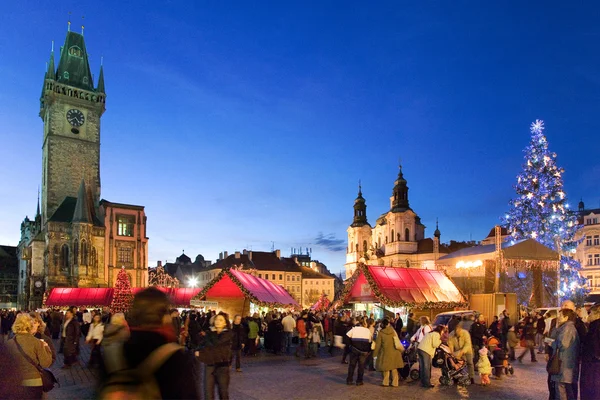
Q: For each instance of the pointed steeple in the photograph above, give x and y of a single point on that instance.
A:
(360, 209)
(437, 232)
(100, 87)
(51, 70)
(82, 210)
(37, 213)
(399, 199)
(73, 66)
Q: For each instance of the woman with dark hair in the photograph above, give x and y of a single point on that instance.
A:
(214, 351)
(151, 330)
(426, 350)
(566, 348)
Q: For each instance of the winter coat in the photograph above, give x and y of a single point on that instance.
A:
(478, 331)
(176, 378)
(388, 358)
(590, 363)
(55, 322)
(430, 342)
(215, 348)
(410, 327)
(73, 333)
(252, 329)
(512, 339)
(301, 328)
(113, 338)
(484, 366)
(34, 348)
(460, 343)
(48, 340)
(541, 326)
(567, 345)
(238, 336)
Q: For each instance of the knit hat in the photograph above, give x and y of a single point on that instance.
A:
(483, 351)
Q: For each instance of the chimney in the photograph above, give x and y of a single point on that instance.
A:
(225, 254)
(159, 263)
(250, 255)
(278, 253)
(237, 254)
(220, 256)
(245, 252)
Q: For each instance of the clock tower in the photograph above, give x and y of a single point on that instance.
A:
(71, 109)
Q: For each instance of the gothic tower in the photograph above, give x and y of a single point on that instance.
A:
(359, 235)
(71, 108)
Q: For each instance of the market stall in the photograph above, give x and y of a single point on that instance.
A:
(89, 297)
(388, 290)
(237, 292)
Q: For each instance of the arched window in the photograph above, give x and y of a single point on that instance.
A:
(386, 240)
(398, 237)
(365, 246)
(393, 235)
(64, 259)
(407, 263)
(94, 261)
(76, 253)
(357, 247)
(351, 246)
(84, 253)
(379, 242)
(407, 235)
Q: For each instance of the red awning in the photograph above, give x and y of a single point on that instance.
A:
(404, 285)
(182, 296)
(229, 283)
(80, 297)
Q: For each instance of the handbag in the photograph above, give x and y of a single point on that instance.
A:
(554, 364)
(48, 378)
(397, 343)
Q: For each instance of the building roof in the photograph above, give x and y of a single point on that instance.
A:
(528, 249)
(595, 211)
(80, 297)
(308, 273)
(121, 205)
(82, 211)
(425, 246)
(67, 210)
(73, 66)
(413, 287)
(233, 283)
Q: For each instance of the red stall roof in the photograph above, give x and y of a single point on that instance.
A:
(80, 297)
(235, 283)
(414, 287)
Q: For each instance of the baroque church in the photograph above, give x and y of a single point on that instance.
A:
(76, 239)
(398, 238)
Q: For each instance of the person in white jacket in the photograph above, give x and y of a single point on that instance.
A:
(424, 328)
(94, 337)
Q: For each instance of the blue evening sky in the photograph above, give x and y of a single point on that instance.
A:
(239, 124)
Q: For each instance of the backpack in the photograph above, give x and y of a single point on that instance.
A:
(138, 383)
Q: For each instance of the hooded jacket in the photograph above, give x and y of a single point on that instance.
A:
(388, 358)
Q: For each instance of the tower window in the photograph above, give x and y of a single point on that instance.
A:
(407, 235)
(392, 235)
(66, 75)
(124, 255)
(365, 248)
(85, 80)
(125, 225)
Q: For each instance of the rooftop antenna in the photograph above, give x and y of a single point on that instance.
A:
(69, 22)
(272, 246)
(82, 27)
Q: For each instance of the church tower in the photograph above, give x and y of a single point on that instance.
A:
(70, 108)
(359, 235)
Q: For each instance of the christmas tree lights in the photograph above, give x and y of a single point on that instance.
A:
(540, 210)
(122, 297)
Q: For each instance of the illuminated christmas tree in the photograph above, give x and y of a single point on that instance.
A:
(540, 211)
(122, 296)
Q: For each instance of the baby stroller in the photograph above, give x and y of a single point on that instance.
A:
(411, 361)
(453, 370)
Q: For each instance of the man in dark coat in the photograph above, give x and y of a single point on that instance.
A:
(151, 327)
(398, 325)
(70, 339)
(504, 327)
(55, 321)
(478, 335)
(411, 325)
(453, 322)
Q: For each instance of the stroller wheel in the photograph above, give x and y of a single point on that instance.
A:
(414, 374)
(511, 370)
(466, 382)
(444, 380)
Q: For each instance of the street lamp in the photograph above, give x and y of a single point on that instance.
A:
(192, 282)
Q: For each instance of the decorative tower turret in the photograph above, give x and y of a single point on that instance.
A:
(399, 199)
(359, 235)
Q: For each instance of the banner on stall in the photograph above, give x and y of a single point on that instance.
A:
(206, 304)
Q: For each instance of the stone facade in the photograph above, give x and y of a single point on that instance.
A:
(588, 250)
(72, 238)
(398, 238)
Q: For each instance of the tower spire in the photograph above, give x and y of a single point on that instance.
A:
(399, 199)
(359, 189)
(360, 209)
(37, 213)
(69, 23)
(100, 88)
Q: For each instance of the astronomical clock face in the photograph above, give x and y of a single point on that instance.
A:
(38, 284)
(75, 117)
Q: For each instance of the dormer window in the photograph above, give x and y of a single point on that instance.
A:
(66, 75)
(75, 51)
(85, 80)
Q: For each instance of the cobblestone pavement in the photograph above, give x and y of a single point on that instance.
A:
(274, 377)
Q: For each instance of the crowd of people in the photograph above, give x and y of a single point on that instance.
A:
(193, 350)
